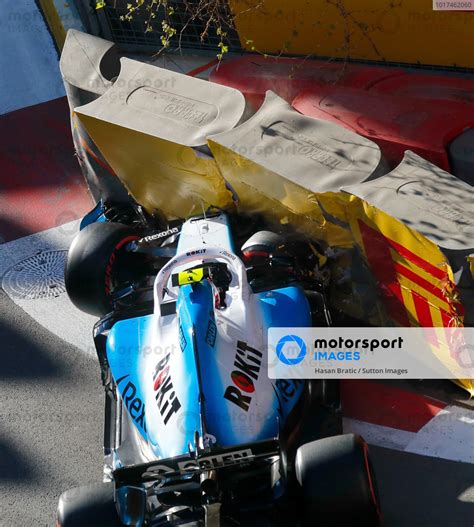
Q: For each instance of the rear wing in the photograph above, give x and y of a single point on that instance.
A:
(202, 461)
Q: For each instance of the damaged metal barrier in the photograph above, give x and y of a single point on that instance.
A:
(152, 125)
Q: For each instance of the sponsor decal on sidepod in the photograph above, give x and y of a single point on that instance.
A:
(247, 365)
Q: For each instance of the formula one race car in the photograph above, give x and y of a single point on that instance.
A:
(195, 431)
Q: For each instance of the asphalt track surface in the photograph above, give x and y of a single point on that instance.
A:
(51, 438)
(50, 420)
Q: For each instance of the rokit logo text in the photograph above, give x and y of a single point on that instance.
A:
(247, 365)
(166, 398)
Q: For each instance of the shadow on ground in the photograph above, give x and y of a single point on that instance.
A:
(14, 466)
(51, 419)
(423, 491)
(23, 356)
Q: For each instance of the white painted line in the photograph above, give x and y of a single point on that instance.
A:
(379, 435)
(28, 59)
(467, 495)
(57, 238)
(57, 314)
(449, 435)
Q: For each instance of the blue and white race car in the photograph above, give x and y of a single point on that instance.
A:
(195, 431)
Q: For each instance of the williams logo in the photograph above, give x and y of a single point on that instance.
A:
(291, 350)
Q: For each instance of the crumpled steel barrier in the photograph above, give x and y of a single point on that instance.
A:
(400, 243)
(151, 126)
(89, 65)
(288, 166)
(181, 148)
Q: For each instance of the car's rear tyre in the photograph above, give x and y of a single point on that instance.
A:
(337, 482)
(96, 262)
(88, 506)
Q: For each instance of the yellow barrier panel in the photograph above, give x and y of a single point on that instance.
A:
(54, 22)
(151, 127)
(409, 32)
(161, 175)
(414, 278)
(383, 272)
(281, 201)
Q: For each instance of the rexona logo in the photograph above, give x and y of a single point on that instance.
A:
(135, 406)
(166, 398)
(291, 350)
(162, 234)
(247, 365)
